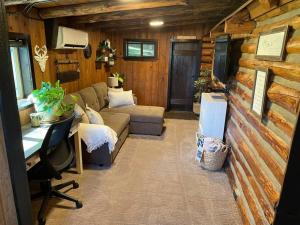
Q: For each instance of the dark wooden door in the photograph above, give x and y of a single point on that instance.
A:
(184, 70)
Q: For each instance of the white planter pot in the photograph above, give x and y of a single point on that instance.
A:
(49, 117)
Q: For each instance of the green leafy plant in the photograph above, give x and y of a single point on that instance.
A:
(50, 99)
(120, 77)
(202, 84)
(100, 58)
(106, 51)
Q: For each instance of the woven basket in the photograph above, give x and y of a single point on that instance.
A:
(213, 160)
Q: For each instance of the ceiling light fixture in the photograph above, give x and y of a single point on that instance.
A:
(156, 23)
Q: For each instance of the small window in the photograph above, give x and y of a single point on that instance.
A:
(17, 72)
(21, 62)
(140, 49)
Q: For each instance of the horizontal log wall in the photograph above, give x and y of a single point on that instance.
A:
(260, 149)
(208, 46)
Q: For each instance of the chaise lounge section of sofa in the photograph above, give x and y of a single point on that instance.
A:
(134, 119)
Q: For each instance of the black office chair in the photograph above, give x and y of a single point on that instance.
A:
(56, 156)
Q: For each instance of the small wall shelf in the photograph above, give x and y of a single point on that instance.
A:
(105, 55)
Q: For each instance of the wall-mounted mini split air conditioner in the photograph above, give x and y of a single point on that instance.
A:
(68, 38)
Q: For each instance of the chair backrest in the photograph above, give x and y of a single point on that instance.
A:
(56, 153)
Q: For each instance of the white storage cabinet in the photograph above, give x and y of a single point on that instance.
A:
(212, 115)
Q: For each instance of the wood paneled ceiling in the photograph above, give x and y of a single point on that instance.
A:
(112, 15)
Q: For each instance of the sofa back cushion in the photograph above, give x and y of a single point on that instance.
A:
(101, 91)
(89, 97)
(68, 99)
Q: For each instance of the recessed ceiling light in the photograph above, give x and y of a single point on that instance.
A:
(156, 23)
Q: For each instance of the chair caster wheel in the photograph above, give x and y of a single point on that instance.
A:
(78, 205)
(42, 222)
(75, 185)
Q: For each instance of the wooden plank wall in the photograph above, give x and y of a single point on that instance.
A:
(35, 28)
(261, 149)
(149, 79)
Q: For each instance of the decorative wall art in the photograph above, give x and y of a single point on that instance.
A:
(271, 44)
(106, 54)
(69, 75)
(87, 51)
(41, 56)
(259, 91)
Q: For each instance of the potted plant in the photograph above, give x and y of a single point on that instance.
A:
(105, 54)
(201, 85)
(49, 100)
(120, 78)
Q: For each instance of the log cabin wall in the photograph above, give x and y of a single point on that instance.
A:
(260, 150)
(208, 46)
(35, 28)
(149, 79)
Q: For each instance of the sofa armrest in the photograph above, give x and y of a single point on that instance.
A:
(134, 99)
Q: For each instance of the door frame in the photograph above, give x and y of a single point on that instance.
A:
(172, 43)
(11, 129)
(287, 211)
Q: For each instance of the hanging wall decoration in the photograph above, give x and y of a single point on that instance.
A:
(87, 51)
(106, 54)
(69, 75)
(41, 56)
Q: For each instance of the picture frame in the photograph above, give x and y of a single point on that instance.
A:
(259, 92)
(271, 44)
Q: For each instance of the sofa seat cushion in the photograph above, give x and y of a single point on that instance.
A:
(117, 121)
(140, 113)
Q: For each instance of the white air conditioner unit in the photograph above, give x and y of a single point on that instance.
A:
(68, 38)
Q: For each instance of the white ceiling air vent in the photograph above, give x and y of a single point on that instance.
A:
(68, 38)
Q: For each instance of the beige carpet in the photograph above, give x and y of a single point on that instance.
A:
(154, 181)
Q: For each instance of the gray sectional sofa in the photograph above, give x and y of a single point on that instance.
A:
(135, 119)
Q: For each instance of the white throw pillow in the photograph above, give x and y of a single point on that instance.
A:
(94, 117)
(115, 89)
(120, 98)
(80, 113)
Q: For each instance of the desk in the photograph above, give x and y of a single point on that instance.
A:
(33, 138)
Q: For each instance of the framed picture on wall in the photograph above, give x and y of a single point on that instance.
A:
(271, 44)
(260, 91)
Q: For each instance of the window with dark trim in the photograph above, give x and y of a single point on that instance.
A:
(19, 45)
(140, 49)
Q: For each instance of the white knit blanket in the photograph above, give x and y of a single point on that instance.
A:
(95, 135)
(213, 144)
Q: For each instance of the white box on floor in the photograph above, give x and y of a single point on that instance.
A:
(212, 115)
